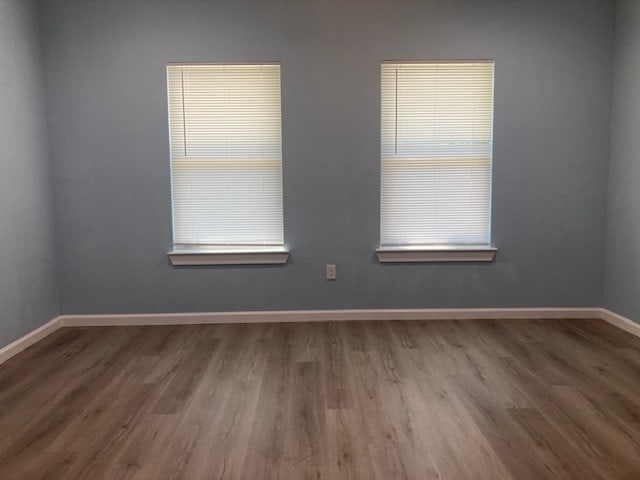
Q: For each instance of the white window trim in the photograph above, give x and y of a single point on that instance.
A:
(444, 253)
(186, 256)
(193, 254)
(439, 252)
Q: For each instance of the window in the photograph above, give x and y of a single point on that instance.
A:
(436, 147)
(226, 163)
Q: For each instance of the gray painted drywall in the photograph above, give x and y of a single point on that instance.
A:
(28, 294)
(106, 94)
(622, 272)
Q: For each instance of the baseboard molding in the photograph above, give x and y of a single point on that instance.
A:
(327, 316)
(314, 316)
(29, 339)
(621, 322)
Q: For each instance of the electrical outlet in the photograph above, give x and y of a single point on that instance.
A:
(331, 272)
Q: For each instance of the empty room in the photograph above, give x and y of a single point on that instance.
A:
(320, 239)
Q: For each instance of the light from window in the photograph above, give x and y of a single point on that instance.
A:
(226, 155)
(436, 148)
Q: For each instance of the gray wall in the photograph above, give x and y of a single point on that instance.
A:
(28, 295)
(622, 274)
(106, 95)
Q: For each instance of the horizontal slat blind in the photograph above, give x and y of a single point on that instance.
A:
(436, 147)
(226, 154)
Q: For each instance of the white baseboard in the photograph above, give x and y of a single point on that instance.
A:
(621, 322)
(327, 316)
(314, 316)
(29, 339)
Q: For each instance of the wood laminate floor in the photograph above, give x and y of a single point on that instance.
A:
(465, 400)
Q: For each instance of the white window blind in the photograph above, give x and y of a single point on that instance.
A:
(226, 155)
(436, 147)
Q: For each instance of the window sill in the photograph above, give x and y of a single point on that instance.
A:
(181, 256)
(471, 253)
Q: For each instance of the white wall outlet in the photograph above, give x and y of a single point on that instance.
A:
(331, 272)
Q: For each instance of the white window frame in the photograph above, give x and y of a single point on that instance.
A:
(443, 252)
(201, 253)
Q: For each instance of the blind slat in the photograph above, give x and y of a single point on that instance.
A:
(436, 148)
(226, 154)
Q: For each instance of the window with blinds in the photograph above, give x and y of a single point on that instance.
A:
(226, 155)
(436, 147)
